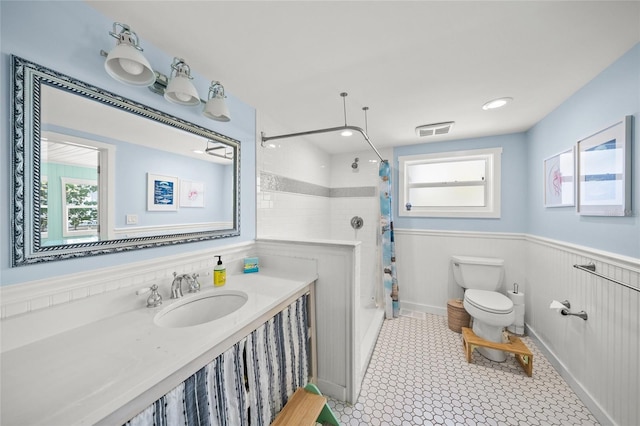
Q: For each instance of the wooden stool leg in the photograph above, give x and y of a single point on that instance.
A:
(526, 361)
(467, 349)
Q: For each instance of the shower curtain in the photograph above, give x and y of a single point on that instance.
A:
(390, 282)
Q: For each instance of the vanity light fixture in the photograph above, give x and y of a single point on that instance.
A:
(216, 108)
(496, 103)
(180, 90)
(125, 62)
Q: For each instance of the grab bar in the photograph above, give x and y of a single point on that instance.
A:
(591, 268)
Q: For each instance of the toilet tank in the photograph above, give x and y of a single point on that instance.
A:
(481, 273)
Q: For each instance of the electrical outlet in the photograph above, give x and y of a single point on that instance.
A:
(132, 219)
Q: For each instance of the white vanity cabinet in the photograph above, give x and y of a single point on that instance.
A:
(111, 370)
(249, 383)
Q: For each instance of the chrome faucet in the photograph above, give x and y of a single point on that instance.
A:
(176, 285)
(194, 285)
(155, 299)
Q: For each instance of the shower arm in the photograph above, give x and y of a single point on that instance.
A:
(327, 130)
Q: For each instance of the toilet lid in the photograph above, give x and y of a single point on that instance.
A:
(490, 301)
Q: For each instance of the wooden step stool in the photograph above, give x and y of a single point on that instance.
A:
(515, 346)
(306, 406)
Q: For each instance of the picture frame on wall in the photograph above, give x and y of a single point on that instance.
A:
(559, 179)
(191, 193)
(162, 193)
(604, 171)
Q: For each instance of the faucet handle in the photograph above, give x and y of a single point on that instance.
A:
(194, 284)
(154, 299)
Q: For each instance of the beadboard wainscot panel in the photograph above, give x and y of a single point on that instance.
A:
(336, 294)
(597, 357)
(423, 264)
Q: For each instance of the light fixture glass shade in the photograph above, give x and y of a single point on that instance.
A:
(128, 65)
(180, 90)
(216, 107)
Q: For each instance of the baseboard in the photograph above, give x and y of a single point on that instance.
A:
(332, 390)
(585, 397)
(419, 307)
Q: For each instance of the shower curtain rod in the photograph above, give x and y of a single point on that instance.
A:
(327, 130)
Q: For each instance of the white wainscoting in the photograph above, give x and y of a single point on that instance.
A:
(423, 262)
(336, 295)
(177, 228)
(598, 357)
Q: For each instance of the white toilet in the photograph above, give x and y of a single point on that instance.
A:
(491, 311)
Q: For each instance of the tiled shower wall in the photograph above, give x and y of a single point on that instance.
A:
(303, 193)
(292, 194)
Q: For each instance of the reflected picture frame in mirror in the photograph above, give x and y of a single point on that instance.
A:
(29, 81)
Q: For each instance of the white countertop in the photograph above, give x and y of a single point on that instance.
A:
(111, 369)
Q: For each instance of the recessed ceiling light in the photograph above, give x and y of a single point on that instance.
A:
(198, 151)
(496, 103)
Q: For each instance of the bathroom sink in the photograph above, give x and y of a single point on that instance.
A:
(200, 309)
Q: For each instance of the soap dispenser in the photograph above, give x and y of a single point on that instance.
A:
(219, 273)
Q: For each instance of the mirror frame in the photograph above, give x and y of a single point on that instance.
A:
(27, 78)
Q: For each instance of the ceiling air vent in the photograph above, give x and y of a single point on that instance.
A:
(434, 129)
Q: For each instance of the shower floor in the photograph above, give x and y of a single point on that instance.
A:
(418, 375)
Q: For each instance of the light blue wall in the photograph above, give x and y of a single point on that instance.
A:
(603, 101)
(514, 179)
(67, 36)
(134, 161)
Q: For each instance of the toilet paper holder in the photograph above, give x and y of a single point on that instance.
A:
(567, 312)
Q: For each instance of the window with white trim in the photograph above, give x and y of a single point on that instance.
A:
(451, 184)
(79, 207)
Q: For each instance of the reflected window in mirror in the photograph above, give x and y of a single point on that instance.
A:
(74, 194)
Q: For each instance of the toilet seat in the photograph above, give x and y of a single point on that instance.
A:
(489, 301)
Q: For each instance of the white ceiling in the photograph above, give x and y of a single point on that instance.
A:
(410, 62)
(61, 108)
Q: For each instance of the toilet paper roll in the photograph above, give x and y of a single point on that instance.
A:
(516, 298)
(557, 306)
(518, 307)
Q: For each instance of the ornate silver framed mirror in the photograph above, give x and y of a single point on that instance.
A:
(96, 173)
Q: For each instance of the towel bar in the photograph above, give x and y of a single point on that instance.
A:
(591, 268)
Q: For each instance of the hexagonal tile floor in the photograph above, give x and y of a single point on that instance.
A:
(418, 375)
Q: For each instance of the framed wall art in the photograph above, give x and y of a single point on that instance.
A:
(559, 179)
(191, 193)
(162, 193)
(604, 171)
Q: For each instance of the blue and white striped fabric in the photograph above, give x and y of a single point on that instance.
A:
(166, 411)
(226, 393)
(215, 396)
(277, 362)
